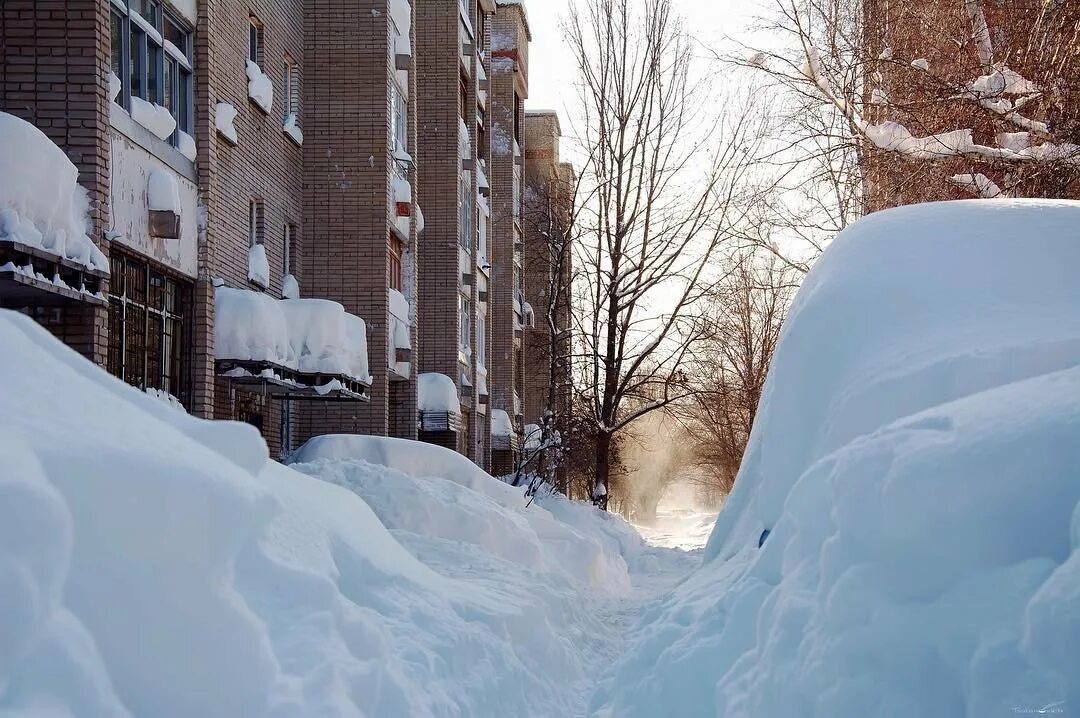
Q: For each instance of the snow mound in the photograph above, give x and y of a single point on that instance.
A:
(41, 202)
(911, 483)
(260, 88)
(574, 536)
(154, 564)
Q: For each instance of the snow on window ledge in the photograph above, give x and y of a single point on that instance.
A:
(186, 146)
(260, 89)
(224, 114)
(258, 266)
(153, 117)
(115, 85)
(292, 130)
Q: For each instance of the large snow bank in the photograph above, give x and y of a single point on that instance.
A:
(154, 564)
(41, 202)
(915, 462)
(308, 335)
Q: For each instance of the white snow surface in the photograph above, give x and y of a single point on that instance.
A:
(915, 461)
(290, 288)
(501, 425)
(41, 203)
(155, 564)
(437, 392)
(163, 192)
(308, 335)
(153, 117)
(292, 129)
(258, 265)
(186, 146)
(224, 114)
(260, 88)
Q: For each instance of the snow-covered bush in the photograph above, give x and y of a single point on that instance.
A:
(904, 534)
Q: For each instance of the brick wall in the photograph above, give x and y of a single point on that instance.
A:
(54, 59)
(508, 90)
(265, 164)
(348, 202)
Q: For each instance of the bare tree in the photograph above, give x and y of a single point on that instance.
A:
(549, 212)
(665, 186)
(914, 101)
(745, 318)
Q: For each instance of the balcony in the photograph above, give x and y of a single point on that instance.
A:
(33, 276)
(291, 349)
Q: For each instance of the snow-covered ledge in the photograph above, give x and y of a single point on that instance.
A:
(292, 130)
(224, 114)
(260, 88)
(438, 403)
(153, 117)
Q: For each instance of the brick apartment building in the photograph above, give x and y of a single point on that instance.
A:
(259, 167)
(508, 87)
(1038, 39)
(454, 146)
(225, 147)
(548, 259)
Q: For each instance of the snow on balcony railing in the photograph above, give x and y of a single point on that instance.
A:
(42, 205)
(290, 338)
(501, 425)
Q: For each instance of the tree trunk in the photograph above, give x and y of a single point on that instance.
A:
(603, 469)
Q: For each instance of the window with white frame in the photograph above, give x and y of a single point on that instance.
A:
(463, 324)
(466, 208)
(152, 56)
(292, 90)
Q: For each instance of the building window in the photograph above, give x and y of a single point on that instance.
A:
(256, 226)
(517, 118)
(481, 237)
(399, 128)
(394, 252)
(152, 56)
(255, 40)
(463, 324)
(517, 192)
(466, 207)
(463, 96)
(289, 255)
(481, 134)
(292, 90)
(149, 327)
(481, 340)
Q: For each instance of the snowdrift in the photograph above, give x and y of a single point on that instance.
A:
(153, 564)
(916, 464)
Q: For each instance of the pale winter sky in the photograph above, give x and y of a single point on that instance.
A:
(551, 69)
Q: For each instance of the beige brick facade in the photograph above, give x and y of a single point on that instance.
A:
(508, 89)
(331, 209)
